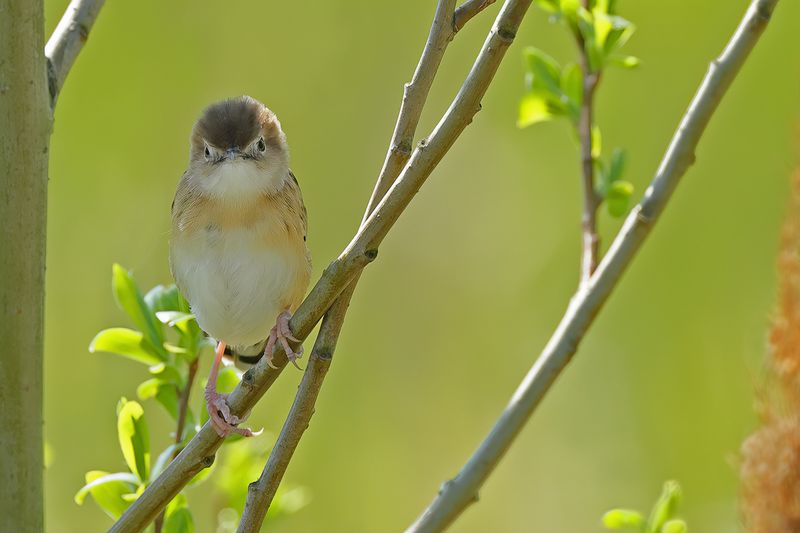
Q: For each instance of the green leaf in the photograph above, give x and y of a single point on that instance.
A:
(134, 439)
(167, 373)
(165, 393)
(572, 88)
(532, 110)
(623, 519)
(128, 343)
(619, 32)
(177, 517)
(597, 142)
(544, 72)
(628, 62)
(674, 526)
(107, 490)
(618, 197)
(171, 318)
(617, 165)
(665, 507)
(130, 300)
(161, 298)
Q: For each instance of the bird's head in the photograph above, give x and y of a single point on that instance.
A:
(238, 148)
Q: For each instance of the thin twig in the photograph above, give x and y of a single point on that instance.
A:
(261, 492)
(456, 494)
(183, 407)
(65, 44)
(415, 93)
(467, 10)
(591, 201)
(362, 250)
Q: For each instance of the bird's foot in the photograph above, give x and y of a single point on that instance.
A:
(281, 333)
(223, 421)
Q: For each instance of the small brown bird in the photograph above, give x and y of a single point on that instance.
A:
(238, 248)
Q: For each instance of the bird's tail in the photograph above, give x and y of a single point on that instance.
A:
(246, 356)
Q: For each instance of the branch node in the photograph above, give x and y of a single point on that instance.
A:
(371, 255)
(207, 461)
(506, 35)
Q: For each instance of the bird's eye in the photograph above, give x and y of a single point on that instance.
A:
(207, 153)
(262, 147)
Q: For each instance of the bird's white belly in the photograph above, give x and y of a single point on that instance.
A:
(235, 285)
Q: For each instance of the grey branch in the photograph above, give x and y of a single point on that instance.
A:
(362, 250)
(467, 10)
(415, 93)
(262, 492)
(456, 494)
(67, 41)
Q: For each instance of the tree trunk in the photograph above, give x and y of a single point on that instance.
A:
(25, 123)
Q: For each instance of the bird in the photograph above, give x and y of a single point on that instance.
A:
(237, 249)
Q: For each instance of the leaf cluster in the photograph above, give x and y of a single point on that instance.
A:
(168, 342)
(661, 519)
(555, 91)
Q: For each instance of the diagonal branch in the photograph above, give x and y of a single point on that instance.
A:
(456, 494)
(362, 250)
(261, 492)
(67, 41)
(467, 10)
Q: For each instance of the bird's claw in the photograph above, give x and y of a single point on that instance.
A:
(222, 420)
(282, 333)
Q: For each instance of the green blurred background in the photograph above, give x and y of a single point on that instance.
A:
(470, 282)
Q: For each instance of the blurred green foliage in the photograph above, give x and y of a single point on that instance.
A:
(480, 268)
(555, 91)
(662, 517)
(172, 360)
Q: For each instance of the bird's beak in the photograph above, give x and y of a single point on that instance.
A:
(232, 153)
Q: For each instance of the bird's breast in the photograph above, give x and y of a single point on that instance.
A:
(239, 268)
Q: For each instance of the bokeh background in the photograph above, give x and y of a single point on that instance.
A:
(471, 281)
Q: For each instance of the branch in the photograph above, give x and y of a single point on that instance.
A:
(456, 494)
(467, 10)
(591, 201)
(362, 250)
(183, 407)
(261, 493)
(67, 41)
(415, 93)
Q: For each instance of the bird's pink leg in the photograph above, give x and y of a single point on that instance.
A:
(281, 332)
(222, 420)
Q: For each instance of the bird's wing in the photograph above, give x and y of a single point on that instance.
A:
(301, 207)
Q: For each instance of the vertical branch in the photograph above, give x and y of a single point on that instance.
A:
(591, 200)
(24, 144)
(458, 493)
